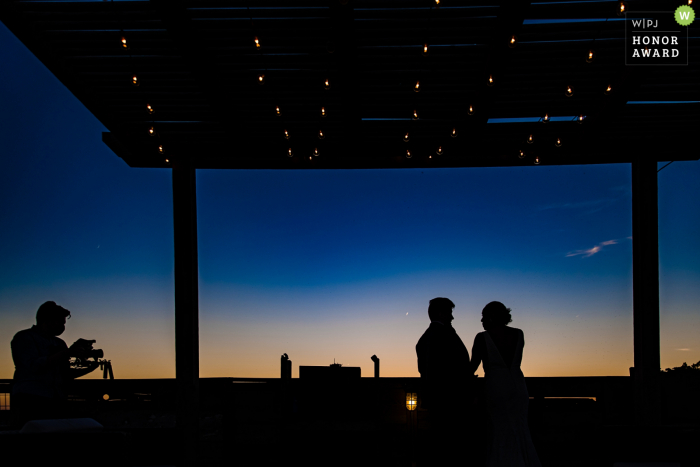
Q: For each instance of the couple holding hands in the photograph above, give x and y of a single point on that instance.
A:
(447, 379)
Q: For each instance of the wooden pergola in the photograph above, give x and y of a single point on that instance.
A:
(187, 85)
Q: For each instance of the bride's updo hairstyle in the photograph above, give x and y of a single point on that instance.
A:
(497, 313)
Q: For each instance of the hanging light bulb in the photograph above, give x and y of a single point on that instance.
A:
(608, 90)
(320, 134)
(160, 149)
(408, 154)
(327, 85)
(167, 161)
(415, 114)
(690, 2)
(286, 134)
(437, 4)
(569, 91)
(454, 133)
(621, 10)
(430, 156)
(424, 51)
(261, 79)
(439, 151)
(289, 152)
(529, 139)
(150, 109)
(558, 143)
(125, 46)
(490, 83)
(580, 118)
(135, 80)
(315, 152)
(416, 88)
(537, 160)
(151, 131)
(522, 154)
(257, 42)
(471, 110)
(323, 111)
(277, 111)
(513, 40)
(406, 137)
(545, 119)
(590, 57)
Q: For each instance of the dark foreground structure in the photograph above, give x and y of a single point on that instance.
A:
(343, 84)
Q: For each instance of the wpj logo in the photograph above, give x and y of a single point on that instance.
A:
(657, 37)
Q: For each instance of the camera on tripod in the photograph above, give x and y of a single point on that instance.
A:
(86, 353)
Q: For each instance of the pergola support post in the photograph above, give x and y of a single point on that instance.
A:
(186, 309)
(645, 283)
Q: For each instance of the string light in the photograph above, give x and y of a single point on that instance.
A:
(608, 90)
(430, 156)
(454, 132)
(277, 111)
(415, 114)
(424, 52)
(286, 134)
(416, 88)
(591, 56)
(537, 160)
(408, 154)
(289, 152)
(257, 42)
(522, 154)
(315, 152)
(471, 110)
(135, 80)
(320, 134)
(569, 91)
(167, 161)
(621, 11)
(261, 79)
(529, 140)
(151, 131)
(490, 83)
(545, 119)
(406, 137)
(327, 85)
(160, 149)
(512, 42)
(690, 2)
(558, 143)
(323, 111)
(439, 151)
(125, 46)
(580, 118)
(437, 3)
(150, 109)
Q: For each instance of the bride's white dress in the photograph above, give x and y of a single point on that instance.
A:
(507, 401)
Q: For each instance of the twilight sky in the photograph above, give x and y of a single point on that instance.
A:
(324, 264)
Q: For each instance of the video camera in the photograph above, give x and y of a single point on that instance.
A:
(87, 353)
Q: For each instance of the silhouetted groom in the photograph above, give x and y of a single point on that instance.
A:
(446, 384)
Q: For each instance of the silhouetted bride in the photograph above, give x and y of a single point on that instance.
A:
(501, 349)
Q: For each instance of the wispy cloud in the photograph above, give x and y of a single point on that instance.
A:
(591, 251)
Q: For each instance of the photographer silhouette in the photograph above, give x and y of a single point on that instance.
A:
(42, 366)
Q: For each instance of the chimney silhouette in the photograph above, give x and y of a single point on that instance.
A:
(285, 367)
(376, 366)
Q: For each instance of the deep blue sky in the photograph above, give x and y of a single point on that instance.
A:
(324, 264)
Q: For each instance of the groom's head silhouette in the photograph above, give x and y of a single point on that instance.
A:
(440, 309)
